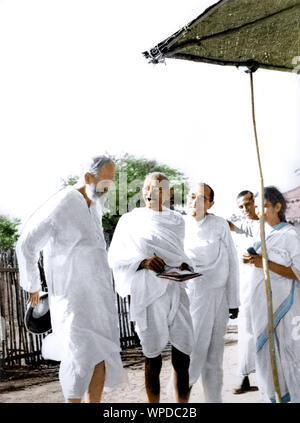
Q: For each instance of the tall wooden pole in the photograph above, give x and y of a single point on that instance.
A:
(265, 269)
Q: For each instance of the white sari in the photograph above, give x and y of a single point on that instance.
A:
(283, 247)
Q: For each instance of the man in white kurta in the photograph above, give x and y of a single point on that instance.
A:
(247, 229)
(215, 294)
(144, 242)
(85, 335)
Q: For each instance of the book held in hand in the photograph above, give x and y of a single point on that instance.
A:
(177, 275)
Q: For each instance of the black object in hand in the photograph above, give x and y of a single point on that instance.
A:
(185, 266)
(233, 313)
(251, 250)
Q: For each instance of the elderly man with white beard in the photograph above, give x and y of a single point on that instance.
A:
(214, 296)
(145, 242)
(85, 334)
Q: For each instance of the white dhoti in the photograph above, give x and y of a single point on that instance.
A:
(73, 384)
(246, 341)
(159, 307)
(168, 319)
(210, 316)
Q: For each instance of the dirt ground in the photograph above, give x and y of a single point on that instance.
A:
(42, 385)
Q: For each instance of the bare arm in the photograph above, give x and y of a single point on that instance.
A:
(284, 271)
(279, 269)
(231, 226)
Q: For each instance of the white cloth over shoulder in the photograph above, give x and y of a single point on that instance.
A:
(283, 247)
(140, 234)
(209, 244)
(81, 298)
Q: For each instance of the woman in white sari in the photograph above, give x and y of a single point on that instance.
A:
(283, 251)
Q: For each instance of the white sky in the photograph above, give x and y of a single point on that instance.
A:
(73, 83)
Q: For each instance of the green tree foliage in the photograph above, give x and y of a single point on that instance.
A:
(130, 174)
(69, 180)
(8, 232)
(126, 193)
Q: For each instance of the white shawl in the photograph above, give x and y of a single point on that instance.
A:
(140, 234)
(209, 245)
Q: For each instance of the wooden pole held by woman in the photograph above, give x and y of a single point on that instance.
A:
(265, 269)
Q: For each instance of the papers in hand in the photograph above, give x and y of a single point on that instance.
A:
(174, 274)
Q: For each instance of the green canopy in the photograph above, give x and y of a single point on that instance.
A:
(253, 33)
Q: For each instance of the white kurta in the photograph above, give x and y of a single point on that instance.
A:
(141, 234)
(209, 245)
(247, 232)
(283, 247)
(82, 301)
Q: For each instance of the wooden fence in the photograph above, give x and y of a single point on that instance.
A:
(18, 346)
